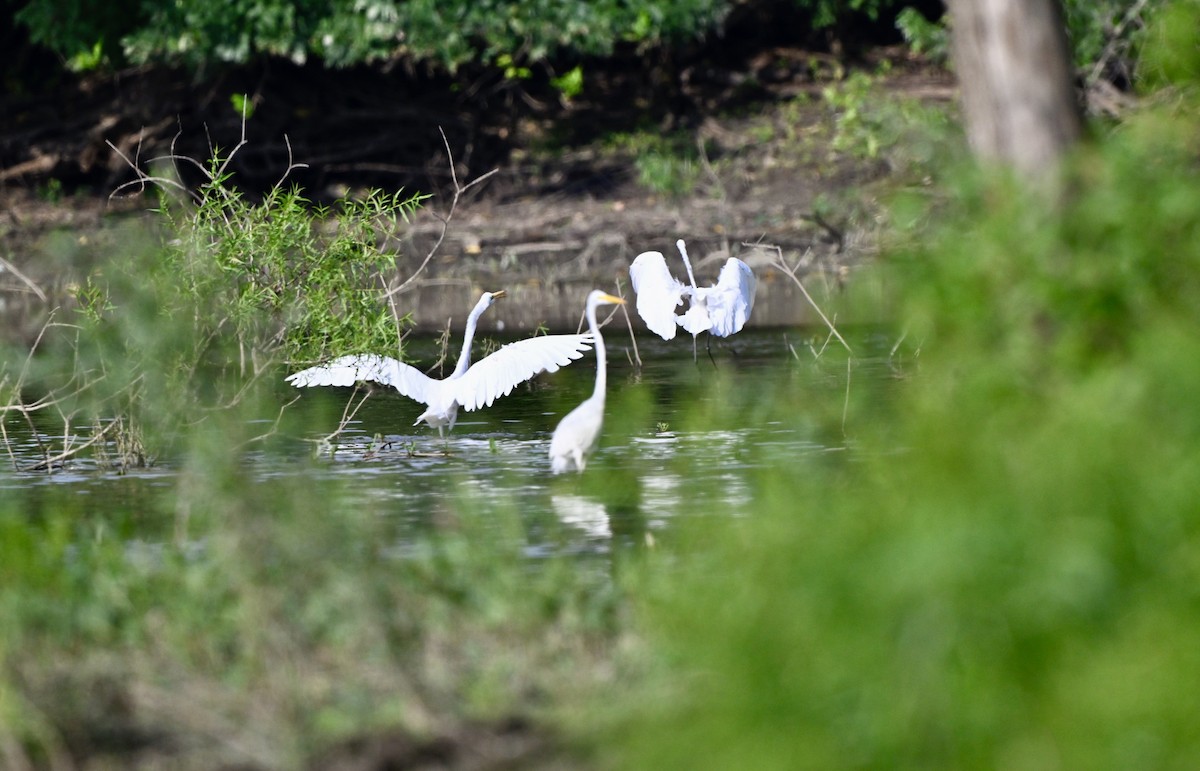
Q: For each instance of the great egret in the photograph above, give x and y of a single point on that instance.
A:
(469, 387)
(577, 433)
(721, 309)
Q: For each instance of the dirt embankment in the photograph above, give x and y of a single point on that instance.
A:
(567, 207)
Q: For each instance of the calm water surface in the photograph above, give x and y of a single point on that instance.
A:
(653, 463)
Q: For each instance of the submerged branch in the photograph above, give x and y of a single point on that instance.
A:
(48, 464)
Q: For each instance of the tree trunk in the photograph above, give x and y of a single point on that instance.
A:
(1015, 78)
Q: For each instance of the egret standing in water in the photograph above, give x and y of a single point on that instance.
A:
(469, 387)
(721, 309)
(577, 433)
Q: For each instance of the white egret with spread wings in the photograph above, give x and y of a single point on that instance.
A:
(470, 387)
(577, 434)
(721, 309)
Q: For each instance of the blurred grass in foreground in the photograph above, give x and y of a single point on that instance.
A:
(237, 620)
(1009, 576)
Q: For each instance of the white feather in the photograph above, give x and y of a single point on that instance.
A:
(721, 309)
(469, 387)
(729, 302)
(498, 374)
(658, 293)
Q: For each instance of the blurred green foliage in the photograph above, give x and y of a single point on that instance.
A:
(913, 136)
(827, 13)
(1106, 27)
(923, 36)
(1172, 59)
(452, 33)
(446, 34)
(1006, 575)
(83, 32)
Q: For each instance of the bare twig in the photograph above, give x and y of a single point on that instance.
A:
(791, 272)
(274, 425)
(33, 349)
(444, 219)
(79, 382)
(816, 352)
(347, 416)
(292, 165)
(443, 350)
(143, 179)
(212, 150)
(12, 456)
(37, 290)
(599, 322)
(791, 348)
(629, 323)
(255, 375)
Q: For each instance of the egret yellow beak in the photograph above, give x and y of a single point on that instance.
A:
(498, 294)
(611, 299)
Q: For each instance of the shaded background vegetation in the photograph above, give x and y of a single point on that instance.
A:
(361, 87)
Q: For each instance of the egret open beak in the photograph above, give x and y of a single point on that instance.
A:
(498, 294)
(611, 299)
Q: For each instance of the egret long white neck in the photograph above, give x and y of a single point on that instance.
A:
(464, 358)
(686, 262)
(601, 365)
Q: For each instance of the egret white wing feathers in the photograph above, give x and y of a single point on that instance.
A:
(731, 300)
(499, 373)
(658, 293)
(721, 309)
(470, 387)
(363, 368)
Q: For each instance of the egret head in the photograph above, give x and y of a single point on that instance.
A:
(598, 297)
(486, 299)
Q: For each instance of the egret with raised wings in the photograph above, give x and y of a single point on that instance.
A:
(577, 434)
(721, 309)
(469, 386)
